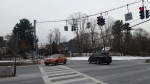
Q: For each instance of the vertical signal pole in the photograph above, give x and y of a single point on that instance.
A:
(143, 6)
(34, 40)
(143, 3)
(103, 38)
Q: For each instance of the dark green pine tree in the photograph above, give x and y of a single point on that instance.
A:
(23, 31)
(117, 29)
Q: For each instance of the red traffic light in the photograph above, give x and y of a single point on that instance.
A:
(141, 8)
(100, 20)
(98, 17)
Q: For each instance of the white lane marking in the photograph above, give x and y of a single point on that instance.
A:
(44, 76)
(57, 72)
(60, 73)
(53, 78)
(47, 72)
(70, 81)
(97, 81)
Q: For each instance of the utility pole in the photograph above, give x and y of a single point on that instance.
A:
(143, 3)
(15, 53)
(34, 41)
(103, 38)
(59, 43)
(51, 46)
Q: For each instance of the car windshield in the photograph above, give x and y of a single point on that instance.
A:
(104, 54)
(101, 54)
(54, 56)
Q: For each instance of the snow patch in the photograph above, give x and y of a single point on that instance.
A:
(113, 58)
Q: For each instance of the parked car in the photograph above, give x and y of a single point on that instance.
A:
(102, 57)
(56, 59)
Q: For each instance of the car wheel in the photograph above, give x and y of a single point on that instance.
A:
(89, 61)
(65, 61)
(108, 63)
(97, 62)
(46, 64)
(56, 63)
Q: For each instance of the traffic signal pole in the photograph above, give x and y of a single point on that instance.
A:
(34, 41)
(103, 38)
(143, 7)
(101, 23)
(143, 3)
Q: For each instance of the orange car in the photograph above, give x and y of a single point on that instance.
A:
(55, 59)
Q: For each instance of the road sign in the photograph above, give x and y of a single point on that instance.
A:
(66, 28)
(88, 25)
(128, 16)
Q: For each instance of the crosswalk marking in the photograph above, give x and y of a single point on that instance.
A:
(64, 75)
(57, 72)
(71, 80)
(44, 75)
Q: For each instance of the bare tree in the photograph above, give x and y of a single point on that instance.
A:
(64, 39)
(141, 39)
(79, 22)
(57, 35)
(105, 33)
(11, 43)
(108, 28)
(54, 37)
(93, 33)
(51, 38)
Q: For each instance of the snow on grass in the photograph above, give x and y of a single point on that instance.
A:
(78, 58)
(113, 58)
(128, 58)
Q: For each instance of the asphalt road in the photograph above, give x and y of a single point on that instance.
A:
(118, 72)
(25, 75)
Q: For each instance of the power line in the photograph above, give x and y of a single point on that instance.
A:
(130, 26)
(42, 28)
(92, 14)
(135, 20)
(140, 23)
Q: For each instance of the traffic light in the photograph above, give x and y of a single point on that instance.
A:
(73, 28)
(127, 27)
(100, 21)
(88, 25)
(147, 13)
(142, 16)
(103, 21)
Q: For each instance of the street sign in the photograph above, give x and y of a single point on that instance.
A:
(66, 28)
(128, 16)
(88, 25)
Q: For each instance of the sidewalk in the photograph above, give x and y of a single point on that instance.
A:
(25, 75)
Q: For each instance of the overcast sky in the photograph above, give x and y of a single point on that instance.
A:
(11, 11)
